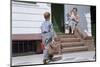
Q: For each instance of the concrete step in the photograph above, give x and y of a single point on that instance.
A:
(66, 36)
(70, 40)
(74, 49)
(72, 44)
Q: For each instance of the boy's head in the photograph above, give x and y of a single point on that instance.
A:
(47, 16)
(75, 10)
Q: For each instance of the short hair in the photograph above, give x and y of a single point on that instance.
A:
(75, 9)
(46, 15)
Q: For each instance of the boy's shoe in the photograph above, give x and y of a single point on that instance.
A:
(45, 61)
(51, 57)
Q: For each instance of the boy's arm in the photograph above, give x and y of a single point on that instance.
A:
(76, 19)
(41, 28)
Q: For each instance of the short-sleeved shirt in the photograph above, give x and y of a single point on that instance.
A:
(46, 26)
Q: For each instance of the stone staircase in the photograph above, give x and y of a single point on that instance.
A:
(71, 43)
(79, 41)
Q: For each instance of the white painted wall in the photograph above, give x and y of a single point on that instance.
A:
(27, 17)
(85, 17)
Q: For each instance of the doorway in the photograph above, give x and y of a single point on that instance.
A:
(57, 11)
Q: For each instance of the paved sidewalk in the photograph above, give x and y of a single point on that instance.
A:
(68, 57)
